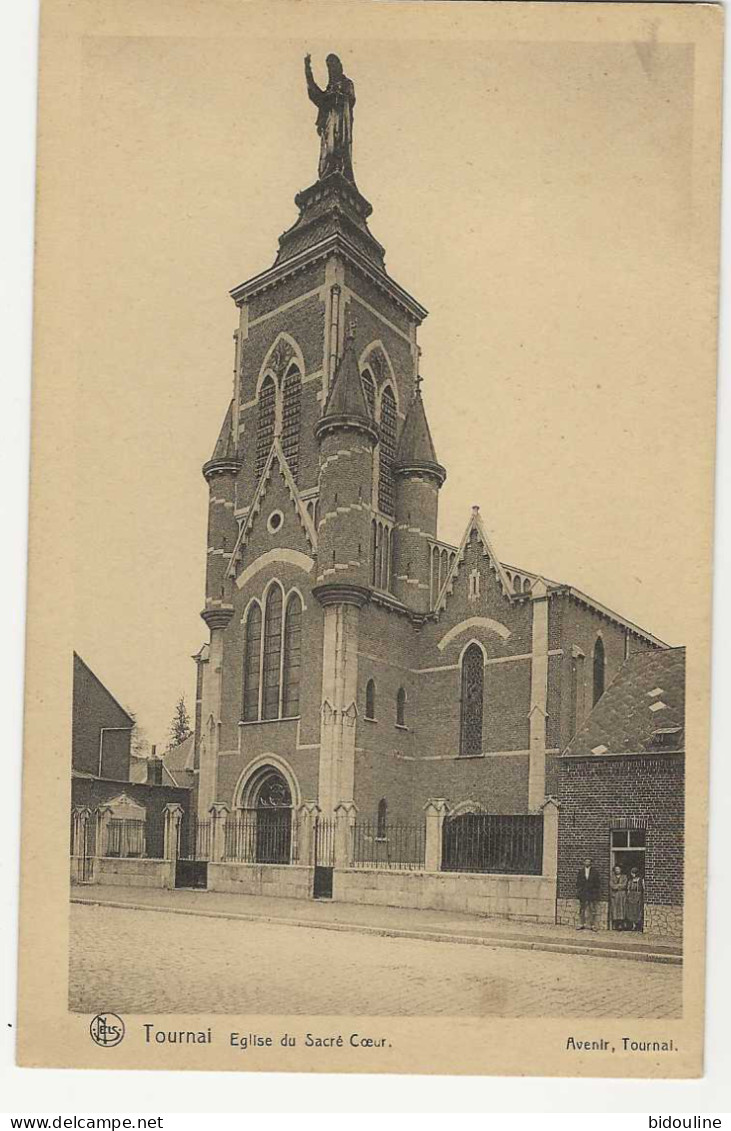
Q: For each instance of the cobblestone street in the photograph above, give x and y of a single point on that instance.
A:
(133, 961)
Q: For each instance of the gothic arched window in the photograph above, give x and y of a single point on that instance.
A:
(265, 422)
(252, 655)
(272, 654)
(370, 708)
(387, 451)
(292, 657)
(369, 389)
(598, 670)
(401, 707)
(382, 819)
(435, 586)
(291, 406)
(473, 682)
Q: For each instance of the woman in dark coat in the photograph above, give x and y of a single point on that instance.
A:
(635, 900)
(618, 898)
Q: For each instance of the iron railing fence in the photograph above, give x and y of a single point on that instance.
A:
(489, 842)
(120, 836)
(126, 837)
(324, 843)
(388, 846)
(83, 849)
(259, 836)
(195, 839)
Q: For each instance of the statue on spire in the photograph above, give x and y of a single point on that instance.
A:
(334, 118)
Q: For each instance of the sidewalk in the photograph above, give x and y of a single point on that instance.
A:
(398, 922)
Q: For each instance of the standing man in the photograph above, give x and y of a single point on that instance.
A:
(587, 893)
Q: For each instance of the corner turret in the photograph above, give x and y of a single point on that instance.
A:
(419, 478)
(220, 473)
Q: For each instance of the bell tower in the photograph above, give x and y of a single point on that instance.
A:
(324, 457)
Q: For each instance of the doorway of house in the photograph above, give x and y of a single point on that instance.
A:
(628, 849)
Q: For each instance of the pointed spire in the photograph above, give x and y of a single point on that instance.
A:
(346, 403)
(225, 448)
(416, 447)
(224, 458)
(347, 395)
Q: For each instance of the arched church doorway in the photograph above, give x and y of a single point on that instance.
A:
(272, 804)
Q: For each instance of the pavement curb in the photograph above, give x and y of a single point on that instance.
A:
(563, 947)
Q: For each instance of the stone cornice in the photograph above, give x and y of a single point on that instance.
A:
(335, 243)
(346, 423)
(589, 603)
(217, 616)
(416, 467)
(341, 593)
(213, 467)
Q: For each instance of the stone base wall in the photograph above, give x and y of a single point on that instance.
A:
(134, 872)
(660, 919)
(288, 881)
(664, 920)
(526, 898)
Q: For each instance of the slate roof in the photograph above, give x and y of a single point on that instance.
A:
(78, 665)
(178, 762)
(225, 447)
(642, 710)
(416, 445)
(347, 395)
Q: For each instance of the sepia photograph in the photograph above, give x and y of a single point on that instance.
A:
(382, 527)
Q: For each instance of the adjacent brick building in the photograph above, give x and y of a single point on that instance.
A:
(101, 732)
(101, 729)
(621, 789)
(354, 656)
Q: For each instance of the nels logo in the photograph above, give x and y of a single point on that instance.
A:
(107, 1030)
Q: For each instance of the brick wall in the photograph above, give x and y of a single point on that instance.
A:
(306, 279)
(95, 710)
(572, 625)
(596, 792)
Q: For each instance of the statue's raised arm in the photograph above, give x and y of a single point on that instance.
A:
(316, 95)
(334, 118)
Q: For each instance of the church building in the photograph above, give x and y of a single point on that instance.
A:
(354, 656)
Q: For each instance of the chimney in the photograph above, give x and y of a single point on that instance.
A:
(154, 769)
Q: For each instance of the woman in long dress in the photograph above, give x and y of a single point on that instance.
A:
(635, 900)
(618, 898)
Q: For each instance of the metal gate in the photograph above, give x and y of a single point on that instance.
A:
(324, 858)
(86, 852)
(194, 852)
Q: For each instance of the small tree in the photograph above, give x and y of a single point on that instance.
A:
(180, 728)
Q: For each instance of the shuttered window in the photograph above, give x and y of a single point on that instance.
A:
(265, 423)
(291, 411)
(387, 452)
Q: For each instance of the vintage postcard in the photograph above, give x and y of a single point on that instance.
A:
(367, 689)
